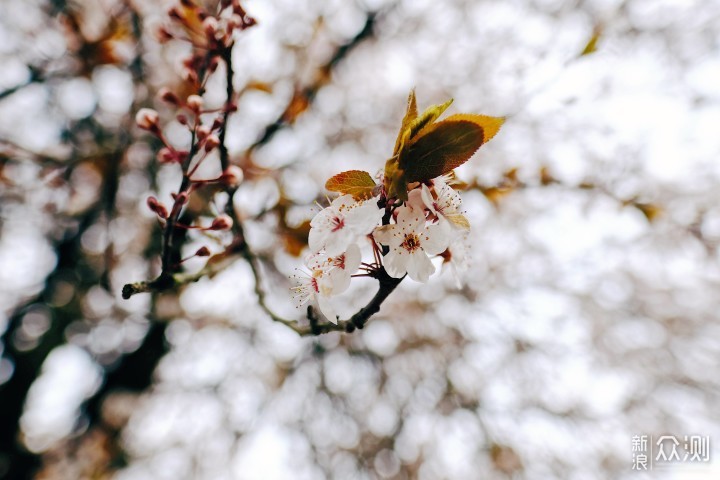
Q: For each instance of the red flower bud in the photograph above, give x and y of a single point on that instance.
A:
(222, 222)
(174, 13)
(182, 155)
(157, 207)
(165, 155)
(213, 64)
(167, 96)
(163, 35)
(190, 76)
(180, 198)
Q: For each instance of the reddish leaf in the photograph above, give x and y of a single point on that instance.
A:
(357, 183)
(444, 146)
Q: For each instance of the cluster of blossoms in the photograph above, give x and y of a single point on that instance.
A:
(408, 218)
(403, 237)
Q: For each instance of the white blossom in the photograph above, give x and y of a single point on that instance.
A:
(456, 257)
(445, 204)
(329, 276)
(411, 240)
(317, 285)
(341, 224)
(339, 267)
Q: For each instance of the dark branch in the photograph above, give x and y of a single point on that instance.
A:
(229, 93)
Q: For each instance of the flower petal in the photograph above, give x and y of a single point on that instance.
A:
(322, 217)
(317, 238)
(390, 235)
(343, 202)
(427, 198)
(395, 263)
(416, 200)
(436, 238)
(338, 241)
(419, 267)
(363, 217)
(410, 220)
(339, 280)
(327, 309)
(352, 259)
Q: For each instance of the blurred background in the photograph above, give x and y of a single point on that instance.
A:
(587, 314)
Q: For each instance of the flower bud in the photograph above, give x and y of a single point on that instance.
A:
(195, 103)
(157, 207)
(163, 35)
(165, 155)
(182, 156)
(182, 119)
(232, 176)
(222, 222)
(202, 132)
(190, 76)
(210, 26)
(168, 96)
(174, 13)
(180, 198)
(213, 64)
(203, 252)
(148, 119)
(211, 142)
(235, 21)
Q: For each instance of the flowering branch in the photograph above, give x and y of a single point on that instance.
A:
(410, 217)
(211, 35)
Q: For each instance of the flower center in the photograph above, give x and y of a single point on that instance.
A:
(338, 261)
(411, 243)
(337, 223)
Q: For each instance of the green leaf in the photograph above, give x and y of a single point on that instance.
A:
(444, 146)
(410, 115)
(357, 183)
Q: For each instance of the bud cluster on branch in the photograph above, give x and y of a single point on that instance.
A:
(211, 34)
